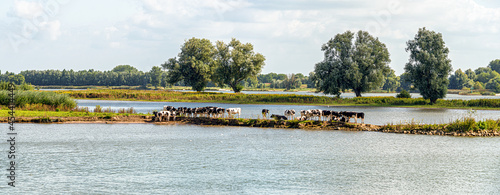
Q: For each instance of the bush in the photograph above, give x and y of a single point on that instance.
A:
(403, 94)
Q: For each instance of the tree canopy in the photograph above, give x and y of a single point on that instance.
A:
(359, 63)
(495, 65)
(236, 62)
(429, 65)
(125, 68)
(195, 64)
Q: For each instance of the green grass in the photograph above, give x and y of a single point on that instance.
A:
(38, 99)
(463, 125)
(289, 99)
(29, 113)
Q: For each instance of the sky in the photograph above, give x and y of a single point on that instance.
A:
(101, 34)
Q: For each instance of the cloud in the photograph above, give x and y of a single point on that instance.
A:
(26, 9)
(53, 28)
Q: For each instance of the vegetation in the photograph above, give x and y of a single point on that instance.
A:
(429, 65)
(195, 65)
(39, 100)
(359, 64)
(236, 62)
(239, 98)
(403, 94)
(467, 126)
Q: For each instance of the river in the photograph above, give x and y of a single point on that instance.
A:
(373, 115)
(185, 159)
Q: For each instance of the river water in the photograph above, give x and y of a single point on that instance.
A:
(185, 159)
(373, 115)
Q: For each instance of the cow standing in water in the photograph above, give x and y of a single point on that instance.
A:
(290, 114)
(231, 111)
(265, 112)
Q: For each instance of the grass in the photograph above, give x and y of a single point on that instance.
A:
(38, 100)
(293, 99)
(30, 113)
(463, 125)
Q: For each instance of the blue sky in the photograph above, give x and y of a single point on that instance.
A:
(100, 34)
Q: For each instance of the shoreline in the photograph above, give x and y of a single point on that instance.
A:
(258, 123)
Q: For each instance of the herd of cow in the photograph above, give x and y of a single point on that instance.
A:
(317, 114)
(217, 112)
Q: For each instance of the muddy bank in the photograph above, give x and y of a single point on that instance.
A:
(309, 125)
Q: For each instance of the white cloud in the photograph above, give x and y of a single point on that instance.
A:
(26, 9)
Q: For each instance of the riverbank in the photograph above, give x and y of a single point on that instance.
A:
(278, 99)
(452, 129)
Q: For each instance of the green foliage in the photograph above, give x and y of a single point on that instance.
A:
(195, 65)
(125, 69)
(235, 62)
(459, 80)
(26, 98)
(172, 96)
(359, 64)
(392, 82)
(403, 94)
(494, 84)
(155, 75)
(429, 65)
(495, 65)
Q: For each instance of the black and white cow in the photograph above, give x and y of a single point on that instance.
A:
(290, 113)
(354, 115)
(278, 117)
(301, 118)
(265, 112)
(231, 111)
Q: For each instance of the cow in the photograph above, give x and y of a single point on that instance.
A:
(220, 112)
(354, 115)
(327, 114)
(335, 116)
(301, 118)
(290, 113)
(169, 108)
(265, 112)
(163, 114)
(306, 113)
(317, 113)
(231, 111)
(278, 117)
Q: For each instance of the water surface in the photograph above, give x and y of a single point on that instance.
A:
(185, 159)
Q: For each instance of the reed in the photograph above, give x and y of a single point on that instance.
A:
(32, 100)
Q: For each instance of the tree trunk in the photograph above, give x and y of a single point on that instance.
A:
(358, 93)
(433, 101)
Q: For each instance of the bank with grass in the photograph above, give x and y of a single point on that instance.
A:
(291, 99)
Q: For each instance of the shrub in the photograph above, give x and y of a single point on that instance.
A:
(403, 94)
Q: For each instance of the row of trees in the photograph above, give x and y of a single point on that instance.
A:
(360, 62)
(481, 78)
(200, 62)
(120, 75)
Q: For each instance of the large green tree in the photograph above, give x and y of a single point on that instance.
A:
(195, 64)
(125, 68)
(495, 65)
(392, 82)
(352, 61)
(236, 62)
(460, 80)
(155, 75)
(429, 65)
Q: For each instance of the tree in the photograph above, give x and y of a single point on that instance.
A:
(155, 75)
(124, 68)
(392, 82)
(359, 64)
(470, 74)
(495, 65)
(494, 85)
(429, 65)
(459, 80)
(195, 65)
(236, 62)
